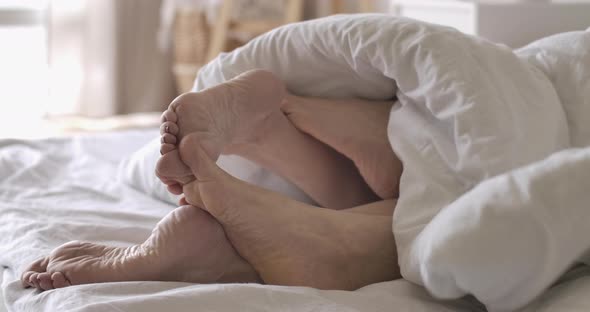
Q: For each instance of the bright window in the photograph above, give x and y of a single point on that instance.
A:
(23, 67)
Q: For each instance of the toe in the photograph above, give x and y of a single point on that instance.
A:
(168, 138)
(34, 280)
(45, 281)
(166, 148)
(194, 156)
(169, 127)
(175, 189)
(169, 115)
(25, 279)
(30, 276)
(171, 168)
(59, 280)
(40, 265)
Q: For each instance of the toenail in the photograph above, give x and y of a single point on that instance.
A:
(167, 129)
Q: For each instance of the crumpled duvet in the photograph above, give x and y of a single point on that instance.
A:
(472, 218)
(494, 194)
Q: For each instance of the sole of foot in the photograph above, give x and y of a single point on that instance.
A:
(188, 245)
(228, 118)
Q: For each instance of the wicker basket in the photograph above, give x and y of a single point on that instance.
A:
(191, 39)
(191, 46)
(192, 33)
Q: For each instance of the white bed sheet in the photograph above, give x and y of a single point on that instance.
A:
(2, 305)
(53, 191)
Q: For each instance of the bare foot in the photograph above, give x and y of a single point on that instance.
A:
(288, 242)
(355, 128)
(188, 245)
(227, 117)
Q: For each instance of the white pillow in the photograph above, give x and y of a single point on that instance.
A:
(138, 171)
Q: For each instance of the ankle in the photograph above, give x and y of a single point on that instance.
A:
(371, 252)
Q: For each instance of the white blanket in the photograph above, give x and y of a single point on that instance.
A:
(483, 111)
(469, 110)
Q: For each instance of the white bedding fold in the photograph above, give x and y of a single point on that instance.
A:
(514, 234)
(509, 238)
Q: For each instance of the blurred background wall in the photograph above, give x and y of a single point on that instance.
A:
(98, 58)
(101, 58)
(104, 58)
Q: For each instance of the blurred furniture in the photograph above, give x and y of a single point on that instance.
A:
(20, 16)
(364, 6)
(196, 42)
(512, 23)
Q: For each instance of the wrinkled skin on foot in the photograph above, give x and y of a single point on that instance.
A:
(227, 117)
(188, 245)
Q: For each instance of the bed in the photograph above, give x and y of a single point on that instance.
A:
(57, 190)
(523, 211)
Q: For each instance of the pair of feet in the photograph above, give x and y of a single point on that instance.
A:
(231, 231)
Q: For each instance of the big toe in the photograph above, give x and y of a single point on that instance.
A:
(171, 170)
(211, 184)
(45, 281)
(200, 154)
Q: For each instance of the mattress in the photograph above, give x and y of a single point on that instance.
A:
(56, 190)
